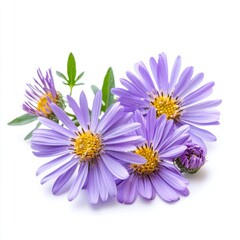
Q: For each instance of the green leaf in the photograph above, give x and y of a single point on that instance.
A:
(108, 84)
(71, 70)
(22, 120)
(94, 89)
(79, 76)
(61, 75)
(78, 84)
(30, 134)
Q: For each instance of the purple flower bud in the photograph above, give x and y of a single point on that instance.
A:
(192, 159)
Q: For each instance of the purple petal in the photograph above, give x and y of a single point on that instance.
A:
(171, 167)
(84, 108)
(77, 111)
(137, 84)
(178, 133)
(204, 118)
(123, 129)
(135, 90)
(123, 147)
(203, 105)
(127, 192)
(146, 76)
(93, 184)
(132, 195)
(102, 188)
(145, 187)
(49, 133)
(56, 127)
(183, 81)
(128, 157)
(159, 129)
(107, 179)
(96, 109)
(52, 153)
(114, 167)
(109, 116)
(153, 65)
(52, 163)
(150, 123)
(134, 102)
(174, 152)
(126, 139)
(59, 171)
(61, 115)
(192, 84)
(46, 148)
(198, 94)
(169, 128)
(163, 189)
(63, 179)
(163, 72)
(204, 134)
(173, 179)
(49, 141)
(79, 181)
(175, 73)
(138, 117)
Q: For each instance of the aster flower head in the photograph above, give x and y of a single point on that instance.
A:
(41, 95)
(192, 159)
(178, 97)
(159, 174)
(90, 154)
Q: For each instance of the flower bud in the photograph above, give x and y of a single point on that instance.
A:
(192, 159)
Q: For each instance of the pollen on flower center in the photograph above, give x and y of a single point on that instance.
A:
(87, 145)
(152, 160)
(166, 105)
(43, 106)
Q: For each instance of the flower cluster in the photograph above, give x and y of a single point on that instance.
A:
(143, 141)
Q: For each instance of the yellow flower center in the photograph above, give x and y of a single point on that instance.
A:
(43, 105)
(166, 105)
(87, 145)
(152, 160)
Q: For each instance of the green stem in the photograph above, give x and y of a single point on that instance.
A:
(71, 91)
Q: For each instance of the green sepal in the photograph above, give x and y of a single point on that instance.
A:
(79, 77)
(30, 134)
(61, 75)
(95, 89)
(108, 84)
(71, 70)
(78, 84)
(22, 120)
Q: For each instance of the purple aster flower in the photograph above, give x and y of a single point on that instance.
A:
(159, 174)
(91, 152)
(41, 95)
(179, 97)
(192, 159)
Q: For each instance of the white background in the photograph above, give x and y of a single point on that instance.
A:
(118, 34)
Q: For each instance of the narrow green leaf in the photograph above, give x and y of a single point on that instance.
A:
(78, 84)
(94, 89)
(30, 134)
(71, 69)
(61, 75)
(22, 120)
(108, 84)
(79, 76)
